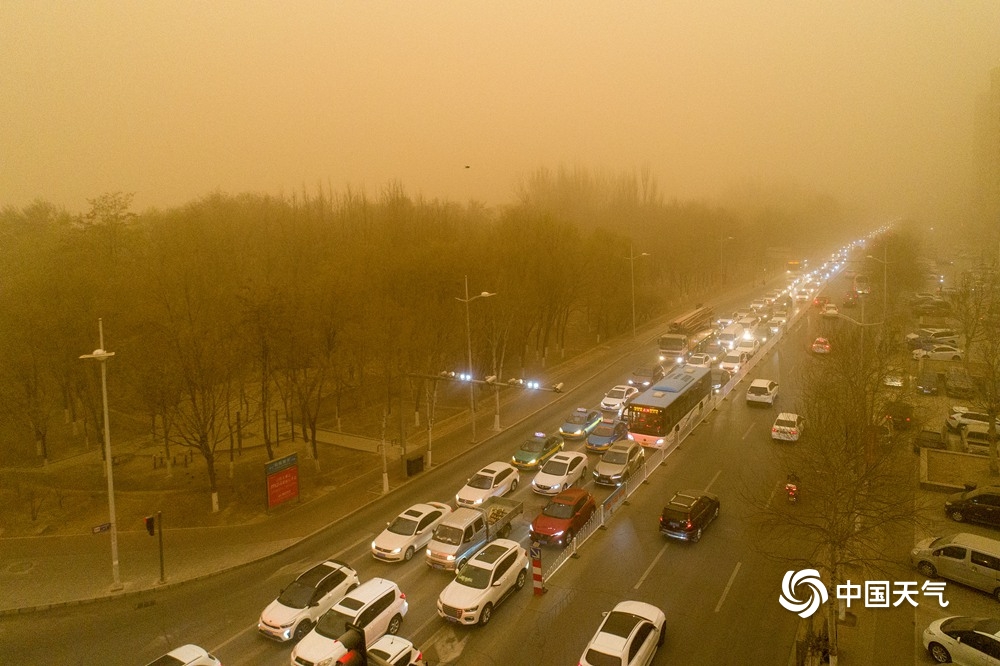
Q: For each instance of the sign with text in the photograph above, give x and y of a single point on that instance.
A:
(282, 480)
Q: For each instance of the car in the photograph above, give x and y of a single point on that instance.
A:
(899, 414)
(944, 336)
(758, 304)
(296, 610)
(700, 360)
(802, 295)
(788, 427)
(646, 376)
(762, 391)
(187, 655)
(748, 346)
(958, 383)
(396, 651)
(928, 383)
(893, 377)
(409, 532)
(821, 302)
(561, 471)
(777, 323)
(535, 450)
(482, 583)
(960, 417)
(494, 480)
(618, 398)
(929, 438)
(851, 300)
(629, 635)
(820, 346)
(563, 517)
(939, 353)
(978, 505)
(606, 434)
(935, 307)
(743, 313)
(964, 641)
(733, 361)
(749, 323)
(720, 378)
(830, 311)
(580, 423)
(619, 463)
(377, 606)
(687, 514)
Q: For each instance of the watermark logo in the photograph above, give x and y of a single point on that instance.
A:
(809, 579)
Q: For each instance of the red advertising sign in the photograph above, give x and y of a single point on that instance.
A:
(282, 480)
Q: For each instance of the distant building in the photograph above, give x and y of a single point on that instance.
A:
(987, 197)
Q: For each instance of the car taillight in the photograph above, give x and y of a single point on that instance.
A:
(774, 429)
(794, 431)
(688, 525)
(402, 596)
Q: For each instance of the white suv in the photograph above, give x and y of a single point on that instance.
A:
(299, 605)
(483, 582)
(762, 391)
(494, 480)
(376, 605)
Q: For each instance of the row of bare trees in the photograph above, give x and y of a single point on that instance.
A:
(223, 309)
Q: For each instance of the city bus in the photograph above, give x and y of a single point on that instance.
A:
(668, 406)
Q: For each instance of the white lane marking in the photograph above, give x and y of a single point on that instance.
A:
(651, 565)
(355, 545)
(749, 428)
(714, 479)
(218, 648)
(771, 497)
(728, 585)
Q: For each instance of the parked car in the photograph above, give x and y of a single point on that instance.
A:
(964, 641)
(939, 353)
(929, 438)
(762, 391)
(646, 376)
(187, 655)
(563, 517)
(619, 463)
(606, 434)
(409, 532)
(958, 383)
(377, 606)
(820, 346)
(961, 417)
(899, 414)
(979, 505)
(580, 423)
(928, 383)
(629, 635)
(943, 336)
(294, 613)
(535, 450)
(687, 514)
(563, 470)
(788, 427)
(484, 582)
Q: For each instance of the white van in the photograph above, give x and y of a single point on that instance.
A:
(964, 558)
(976, 438)
(731, 336)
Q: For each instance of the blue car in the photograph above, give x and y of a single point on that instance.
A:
(580, 423)
(606, 434)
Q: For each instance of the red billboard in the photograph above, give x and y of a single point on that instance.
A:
(282, 480)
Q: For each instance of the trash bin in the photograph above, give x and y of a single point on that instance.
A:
(414, 465)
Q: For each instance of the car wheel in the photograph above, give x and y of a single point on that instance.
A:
(583, 475)
(394, 623)
(957, 516)
(663, 635)
(927, 569)
(408, 555)
(696, 537)
(939, 653)
(521, 577)
(303, 628)
(484, 617)
(461, 563)
(513, 485)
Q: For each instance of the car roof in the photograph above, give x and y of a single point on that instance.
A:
(761, 382)
(365, 593)
(788, 416)
(570, 496)
(494, 468)
(621, 446)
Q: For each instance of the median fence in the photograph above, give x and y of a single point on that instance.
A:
(655, 457)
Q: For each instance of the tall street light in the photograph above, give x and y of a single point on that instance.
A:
(102, 355)
(468, 338)
(885, 269)
(631, 262)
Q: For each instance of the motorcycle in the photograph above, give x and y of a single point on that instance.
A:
(792, 490)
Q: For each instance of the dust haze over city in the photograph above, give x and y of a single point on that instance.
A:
(870, 103)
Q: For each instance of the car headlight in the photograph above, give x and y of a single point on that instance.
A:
(325, 662)
(577, 432)
(558, 534)
(373, 545)
(616, 476)
(396, 550)
(478, 501)
(449, 557)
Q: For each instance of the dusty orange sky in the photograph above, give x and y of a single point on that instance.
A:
(868, 101)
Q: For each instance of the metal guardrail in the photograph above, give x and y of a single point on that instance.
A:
(655, 457)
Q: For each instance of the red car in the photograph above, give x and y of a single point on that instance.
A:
(563, 517)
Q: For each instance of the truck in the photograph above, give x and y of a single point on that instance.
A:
(467, 529)
(676, 347)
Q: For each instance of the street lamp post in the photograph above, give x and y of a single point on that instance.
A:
(102, 355)
(885, 269)
(468, 338)
(631, 262)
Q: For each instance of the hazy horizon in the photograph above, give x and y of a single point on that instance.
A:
(872, 103)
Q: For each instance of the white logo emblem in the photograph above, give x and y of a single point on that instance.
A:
(817, 592)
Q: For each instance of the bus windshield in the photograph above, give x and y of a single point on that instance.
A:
(646, 421)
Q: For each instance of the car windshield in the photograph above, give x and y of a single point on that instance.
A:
(555, 468)
(404, 526)
(481, 481)
(732, 358)
(615, 457)
(597, 658)
(558, 510)
(296, 595)
(333, 624)
(604, 430)
(448, 534)
(758, 390)
(643, 372)
(577, 419)
(475, 577)
(616, 393)
(784, 423)
(532, 446)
